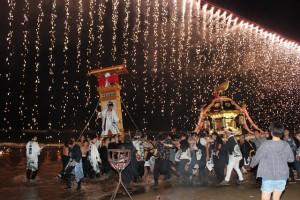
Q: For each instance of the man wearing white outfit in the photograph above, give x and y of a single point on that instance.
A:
(94, 156)
(235, 156)
(33, 150)
(110, 120)
(138, 144)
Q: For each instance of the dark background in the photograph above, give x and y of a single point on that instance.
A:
(279, 16)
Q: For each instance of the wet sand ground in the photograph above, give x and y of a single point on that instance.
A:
(14, 187)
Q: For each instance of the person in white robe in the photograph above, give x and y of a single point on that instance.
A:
(110, 120)
(94, 156)
(33, 150)
(138, 144)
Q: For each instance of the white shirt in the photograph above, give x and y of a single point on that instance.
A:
(110, 121)
(32, 150)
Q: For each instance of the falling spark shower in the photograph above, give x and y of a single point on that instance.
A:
(176, 51)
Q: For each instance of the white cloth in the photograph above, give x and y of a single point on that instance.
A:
(138, 145)
(150, 163)
(183, 155)
(94, 158)
(198, 151)
(107, 75)
(203, 141)
(110, 121)
(32, 154)
(98, 144)
(78, 171)
(210, 164)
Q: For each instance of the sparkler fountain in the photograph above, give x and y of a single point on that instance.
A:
(175, 50)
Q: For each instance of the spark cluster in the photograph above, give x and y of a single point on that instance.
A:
(175, 51)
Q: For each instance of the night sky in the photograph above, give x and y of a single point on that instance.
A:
(278, 16)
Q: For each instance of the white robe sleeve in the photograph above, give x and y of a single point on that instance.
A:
(37, 148)
(115, 116)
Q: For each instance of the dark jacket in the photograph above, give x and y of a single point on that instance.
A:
(272, 159)
(232, 147)
(230, 144)
(247, 149)
(75, 153)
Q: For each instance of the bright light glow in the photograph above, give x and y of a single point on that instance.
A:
(175, 51)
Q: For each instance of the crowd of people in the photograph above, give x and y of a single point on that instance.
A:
(196, 158)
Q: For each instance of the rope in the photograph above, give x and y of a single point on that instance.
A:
(130, 117)
(85, 127)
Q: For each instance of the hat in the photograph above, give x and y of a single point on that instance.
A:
(110, 104)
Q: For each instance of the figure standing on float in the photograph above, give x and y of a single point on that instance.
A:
(110, 120)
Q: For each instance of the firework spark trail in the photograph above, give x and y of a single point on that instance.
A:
(187, 58)
(135, 43)
(89, 50)
(252, 49)
(180, 53)
(125, 51)
(9, 37)
(224, 40)
(197, 69)
(198, 36)
(79, 21)
(260, 65)
(10, 50)
(172, 62)
(22, 83)
(75, 91)
(51, 59)
(115, 5)
(163, 51)
(209, 38)
(100, 27)
(196, 45)
(136, 32)
(155, 55)
(146, 59)
(65, 71)
(91, 37)
(125, 31)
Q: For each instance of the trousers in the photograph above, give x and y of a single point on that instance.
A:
(233, 163)
(161, 166)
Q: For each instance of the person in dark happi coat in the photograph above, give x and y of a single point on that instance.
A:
(74, 166)
(162, 162)
(130, 172)
(105, 166)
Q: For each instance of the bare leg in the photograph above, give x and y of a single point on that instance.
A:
(145, 174)
(266, 195)
(276, 195)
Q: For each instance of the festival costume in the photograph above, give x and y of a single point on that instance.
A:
(110, 121)
(139, 146)
(201, 145)
(183, 159)
(130, 172)
(235, 156)
(32, 153)
(74, 167)
(219, 159)
(94, 158)
(162, 163)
